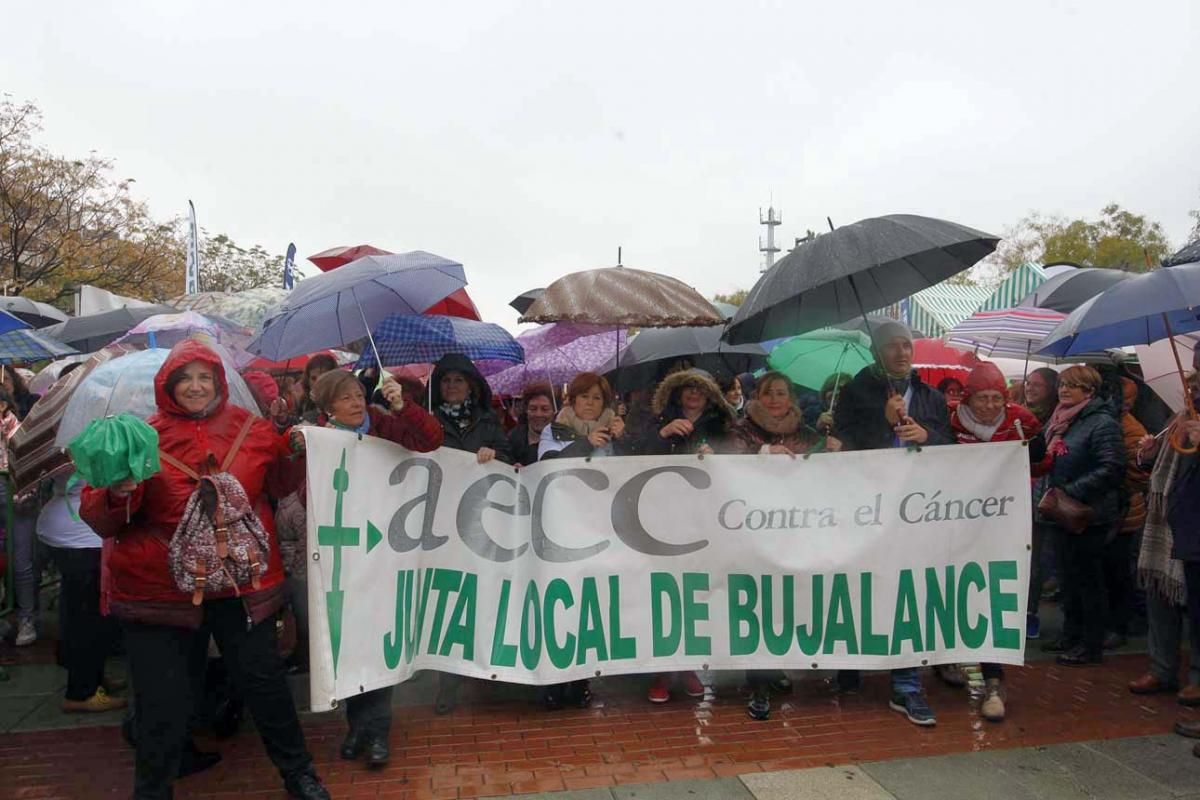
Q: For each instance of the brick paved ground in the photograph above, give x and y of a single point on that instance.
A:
(499, 742)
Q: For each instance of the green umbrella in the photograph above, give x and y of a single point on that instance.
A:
(113, 449)
(809, 359)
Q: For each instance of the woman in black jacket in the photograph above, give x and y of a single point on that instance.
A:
(691, 416)
(1085, 444)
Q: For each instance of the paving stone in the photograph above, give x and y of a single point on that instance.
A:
(1164, 759)
(575, 794)
(719, 789)
(30, 679)
(15, 709)
(819, 783)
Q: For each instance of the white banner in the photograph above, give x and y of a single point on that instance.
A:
(578, 568)
(191, 283)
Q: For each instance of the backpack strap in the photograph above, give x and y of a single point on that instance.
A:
(237, 443)
(177, 464)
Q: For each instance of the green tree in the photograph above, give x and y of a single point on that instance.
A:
(1117, 239)
(225, 266)
(734, 298)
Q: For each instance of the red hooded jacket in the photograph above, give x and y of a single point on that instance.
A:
(142, 586)
(1007, 432)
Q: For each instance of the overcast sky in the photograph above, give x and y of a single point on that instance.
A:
(528, 140)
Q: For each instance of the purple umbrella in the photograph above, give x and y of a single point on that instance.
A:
(555, 354)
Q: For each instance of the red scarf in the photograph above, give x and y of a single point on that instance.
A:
(1061, 419)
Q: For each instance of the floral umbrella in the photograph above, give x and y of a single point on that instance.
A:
(554, 354)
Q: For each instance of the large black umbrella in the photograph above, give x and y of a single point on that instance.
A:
(89, 333)
(524, 300)
(1071, 288)
(1188, 254)
(854, 269)
(654, 349)
(39, 315)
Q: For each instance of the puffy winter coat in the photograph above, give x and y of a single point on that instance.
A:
(1137, 480)
(484, 428)
(1090, 464)
(1008, 430)
(759, 429)
(142, 587)
(712, 428)
(861, 424)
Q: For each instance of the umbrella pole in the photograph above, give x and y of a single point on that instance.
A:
(1187, 393)
(862, 311)
(371, 340)
(1025, 371)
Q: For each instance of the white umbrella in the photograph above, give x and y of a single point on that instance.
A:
(1159, 369)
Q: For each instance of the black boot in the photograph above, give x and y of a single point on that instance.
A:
(377, 752)
(1079, 656)
(195, 760)
(759, 707)
(306, 785)
(353, 745)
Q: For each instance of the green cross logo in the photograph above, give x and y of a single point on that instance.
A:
(337, 536)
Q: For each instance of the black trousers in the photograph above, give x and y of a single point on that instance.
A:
(371, 712)
(168, 675)
(87, 637)
(1118, 582)
(1085, 598)
(1191, 576)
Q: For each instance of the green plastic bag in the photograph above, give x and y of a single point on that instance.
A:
(114, 449)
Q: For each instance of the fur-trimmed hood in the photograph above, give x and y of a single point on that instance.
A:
(666, 396)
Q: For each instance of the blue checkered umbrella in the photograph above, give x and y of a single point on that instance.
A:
(24, 345)
(414, 339)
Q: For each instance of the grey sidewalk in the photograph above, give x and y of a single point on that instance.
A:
(1142, 768)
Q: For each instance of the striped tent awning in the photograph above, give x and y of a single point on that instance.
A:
(1015, 288)
(939, 308)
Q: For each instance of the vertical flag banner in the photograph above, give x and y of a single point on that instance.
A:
(192, 279)
(289, 264)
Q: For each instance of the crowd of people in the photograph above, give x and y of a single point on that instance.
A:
(1115, 532)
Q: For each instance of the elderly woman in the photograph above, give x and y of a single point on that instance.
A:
(461, 401)
(691, 416)
(773, 426)
(166, 634)
(986, 414)
(524, 439)
(339, 396)
(586, 426)
(1084, 441)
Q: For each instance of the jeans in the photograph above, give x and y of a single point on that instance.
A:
(86, 637)
(168, 674)
(371, 712)
(1118, 580)
(24, 544)
(1085, 599)
(906, 680)
(1165, 629)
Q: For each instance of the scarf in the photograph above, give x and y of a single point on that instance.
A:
(583, 428)
(983, 433)
(361, 429)
(458, 413)
(1061, 419)
(786, 425)
(1156, 570)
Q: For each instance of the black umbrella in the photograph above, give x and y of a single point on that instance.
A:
(39, 315)
(1071, 288)
(854, 269)
(90, 333)
(524, 300)
(655, 349)
(1188, 254)
(872, 321)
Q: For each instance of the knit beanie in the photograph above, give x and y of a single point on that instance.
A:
(887, 331)
(986, 376)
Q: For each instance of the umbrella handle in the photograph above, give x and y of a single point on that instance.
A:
(371, 340)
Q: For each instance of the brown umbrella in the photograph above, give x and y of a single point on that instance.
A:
(625, 297)
(33, 456)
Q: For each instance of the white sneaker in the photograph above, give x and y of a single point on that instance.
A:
(992, 708)
(26, 633)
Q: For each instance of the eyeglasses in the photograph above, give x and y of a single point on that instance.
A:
(1072, 385)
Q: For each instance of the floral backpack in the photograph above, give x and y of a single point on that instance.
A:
(220, 543)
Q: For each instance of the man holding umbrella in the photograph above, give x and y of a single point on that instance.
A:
(887, 405)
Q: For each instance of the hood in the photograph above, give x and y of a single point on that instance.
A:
(666, 395)
(456, 362)
(181, 355)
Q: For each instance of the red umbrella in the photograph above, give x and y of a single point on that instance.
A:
(934, 361)
(297, 363)
(335, 257)
(458, 304)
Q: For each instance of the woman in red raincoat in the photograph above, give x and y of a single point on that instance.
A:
(166, 634)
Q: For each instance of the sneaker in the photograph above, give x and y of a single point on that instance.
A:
(98, 703)
(915, 707)
(26, 633)
(759, 707)
(660, 690)
(692, 685)
(1033, 626)
(951, 674)
(992, 708)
